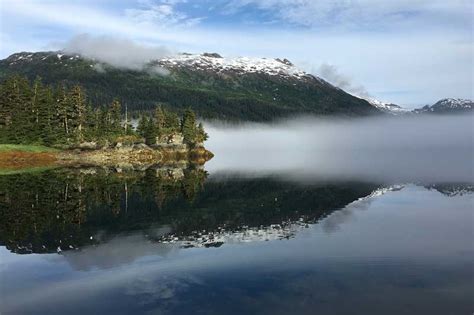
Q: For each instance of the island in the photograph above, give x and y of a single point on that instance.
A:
(42, 125)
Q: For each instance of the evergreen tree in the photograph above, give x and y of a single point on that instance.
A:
(115, 117)
(150, 132)
(22, 114)
(34, 113)
(142, 126)
(78, 111)
(159, 120)
(171, 122)
(188, 127)
(62, 113)
(201, 134)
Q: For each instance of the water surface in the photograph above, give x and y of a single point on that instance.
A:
(265, 231)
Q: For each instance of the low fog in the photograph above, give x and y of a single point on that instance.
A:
(420, 149)
(119, 53)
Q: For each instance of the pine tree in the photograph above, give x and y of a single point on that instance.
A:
(46, 116)
(171, 122)
(159, 120)
(62, 108)
(33, 113)
(150, 132)
(201, 134)
(115, 117)
(78, 111)
(188, 127)
(142, 125)
(22, 112)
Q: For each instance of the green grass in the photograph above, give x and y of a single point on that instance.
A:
(25, 148)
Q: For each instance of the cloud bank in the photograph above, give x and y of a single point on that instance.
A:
(117, 52)
(420, 149)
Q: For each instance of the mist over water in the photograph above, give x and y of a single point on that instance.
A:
(388, 149)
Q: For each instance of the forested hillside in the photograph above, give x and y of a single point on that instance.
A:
(35, 113)
(211, 93)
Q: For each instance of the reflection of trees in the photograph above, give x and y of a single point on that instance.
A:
(65, 208)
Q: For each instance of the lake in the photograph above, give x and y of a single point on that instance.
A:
(265, 235)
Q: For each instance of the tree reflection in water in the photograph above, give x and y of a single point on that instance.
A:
(66, 209)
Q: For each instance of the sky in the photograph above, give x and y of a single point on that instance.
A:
(409, 52)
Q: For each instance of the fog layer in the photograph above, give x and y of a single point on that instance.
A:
(389, 149)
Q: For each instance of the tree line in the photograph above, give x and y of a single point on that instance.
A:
(35, 113)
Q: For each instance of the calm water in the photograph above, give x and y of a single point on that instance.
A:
(274, 234)
(170, 242)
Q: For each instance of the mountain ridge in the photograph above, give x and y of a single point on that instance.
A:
(242, 88)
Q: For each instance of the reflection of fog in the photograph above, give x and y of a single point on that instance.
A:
(410, 149)
(423, 233)
(332, 223)
(118, 251)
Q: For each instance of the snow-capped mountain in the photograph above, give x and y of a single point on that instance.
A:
(389, 108)
(240, 65)
(447, 105)
(230, 88)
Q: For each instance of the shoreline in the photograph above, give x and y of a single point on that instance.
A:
(128, 155)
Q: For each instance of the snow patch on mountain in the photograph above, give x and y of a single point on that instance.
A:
(447, 104)
(217, 63)
(387, 107)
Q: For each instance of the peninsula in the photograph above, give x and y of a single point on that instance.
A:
(45, 125)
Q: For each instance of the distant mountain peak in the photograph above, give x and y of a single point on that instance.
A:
(387, 107)
(446, 105)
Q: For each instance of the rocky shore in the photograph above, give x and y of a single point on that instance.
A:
(134, 155)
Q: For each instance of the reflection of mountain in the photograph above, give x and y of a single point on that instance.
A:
(452, 190)
(68, 209)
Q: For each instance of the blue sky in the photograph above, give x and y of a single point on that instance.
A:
(408, 52)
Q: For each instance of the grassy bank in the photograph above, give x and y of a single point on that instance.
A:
(5, 148)
(16, 158)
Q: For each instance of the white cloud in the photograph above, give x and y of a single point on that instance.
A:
(360, 13)
(161, 12)
(426, 56)
(120, 53)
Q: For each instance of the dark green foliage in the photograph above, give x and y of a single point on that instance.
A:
(41, 211)
(188, 127)
(201, 135)
(150, 132)
(34, 114)
(250, 96)
(64, 207)
(159, 120)
(171, 122)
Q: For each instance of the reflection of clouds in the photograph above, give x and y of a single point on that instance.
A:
(91, 285)
(163, 289)
(331, 224)
(118, 251)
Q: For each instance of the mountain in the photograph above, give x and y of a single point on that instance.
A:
(256, 89)
(444, 106)
(387, 107)
(447, 106)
